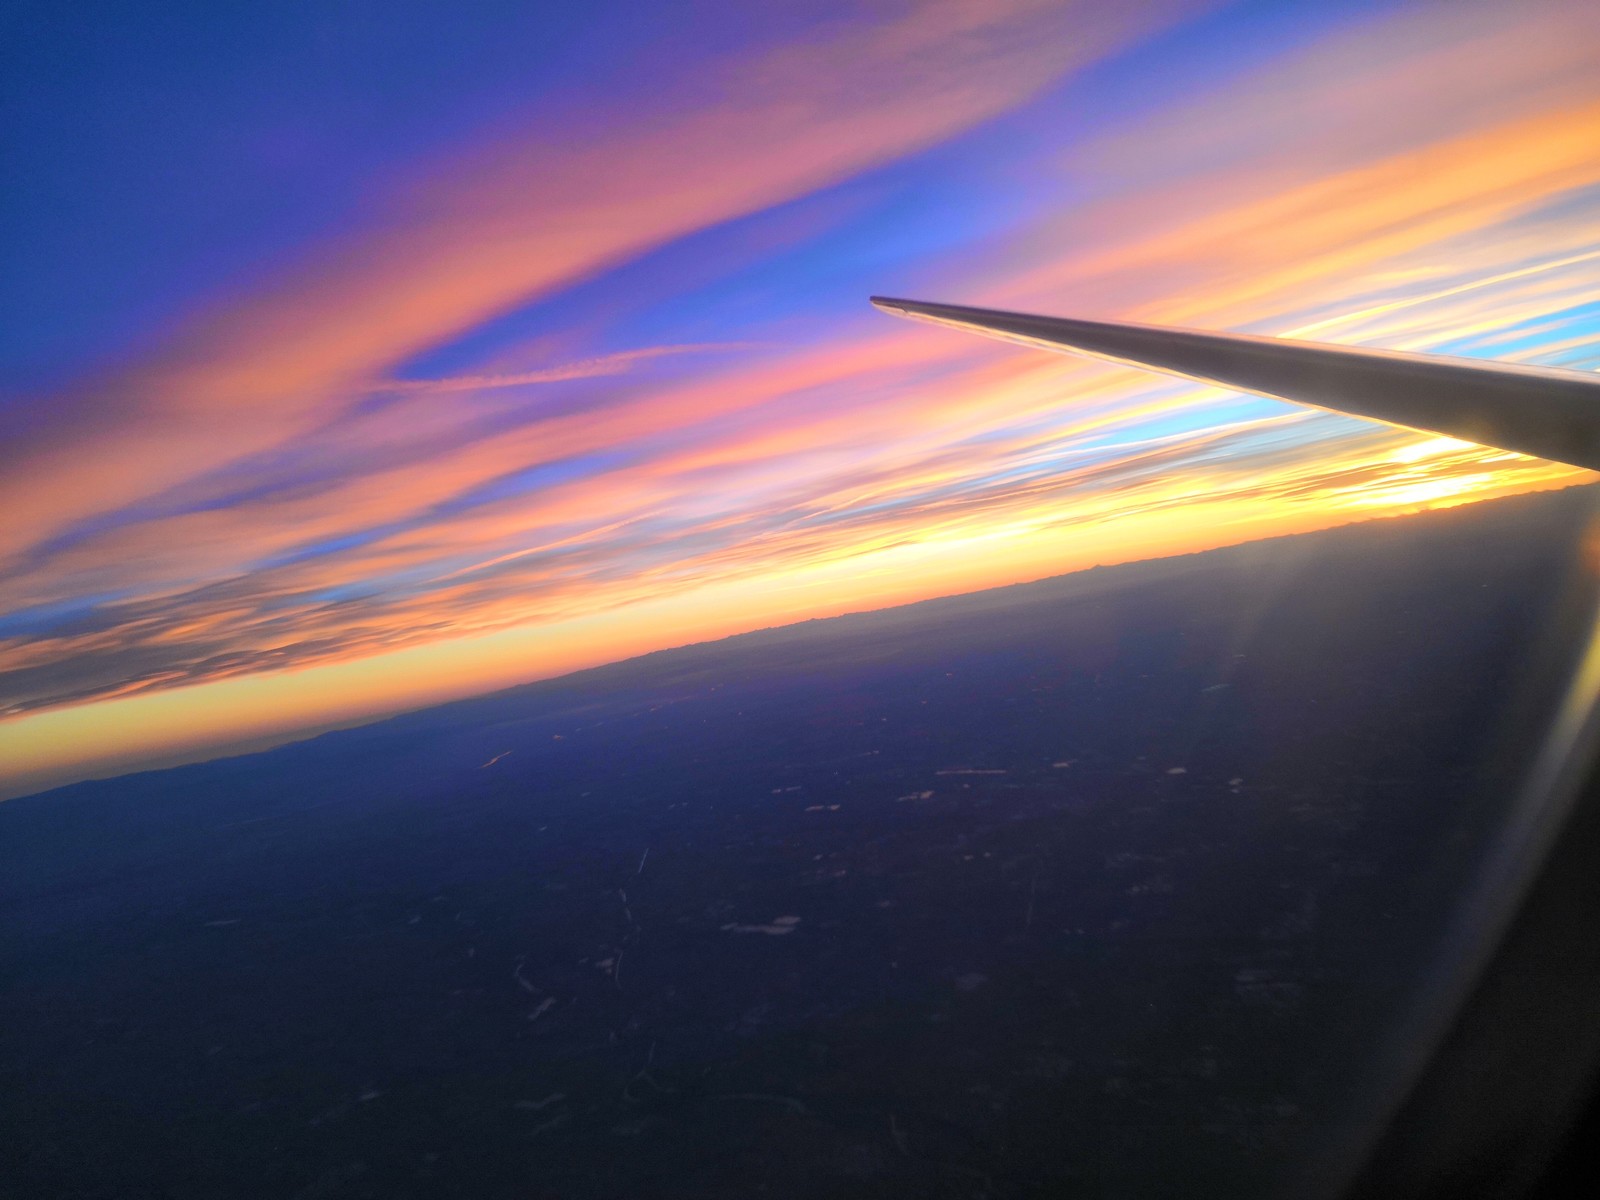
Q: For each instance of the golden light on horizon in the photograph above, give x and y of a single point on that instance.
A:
(530, 403)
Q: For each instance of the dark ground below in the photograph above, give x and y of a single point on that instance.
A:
(1112, 884)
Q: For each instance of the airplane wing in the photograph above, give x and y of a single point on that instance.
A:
(1543, 411)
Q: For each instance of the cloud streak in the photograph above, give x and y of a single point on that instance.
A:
(508, 223)
(288, 486)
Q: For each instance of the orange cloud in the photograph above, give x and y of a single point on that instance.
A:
(516, 220)
(681, 495)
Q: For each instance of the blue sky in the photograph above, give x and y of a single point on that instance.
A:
(461, 344)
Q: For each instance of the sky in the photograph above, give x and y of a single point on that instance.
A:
(355, 357)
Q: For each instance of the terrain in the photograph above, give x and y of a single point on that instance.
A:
(1115, 884)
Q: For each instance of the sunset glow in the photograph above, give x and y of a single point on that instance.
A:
(325, 411)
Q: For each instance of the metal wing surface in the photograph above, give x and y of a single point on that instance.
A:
(1543, 411)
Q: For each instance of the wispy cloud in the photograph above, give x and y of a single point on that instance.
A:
(281, 485)
(519, 217)
(589, 368)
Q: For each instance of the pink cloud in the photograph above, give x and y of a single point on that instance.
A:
(529, 214)
(730, 465)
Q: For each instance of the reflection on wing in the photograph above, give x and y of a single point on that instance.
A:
(1542, 411)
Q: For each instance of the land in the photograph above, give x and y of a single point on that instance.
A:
(1121, 883)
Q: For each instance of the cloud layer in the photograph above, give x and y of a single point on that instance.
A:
(494, 404)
